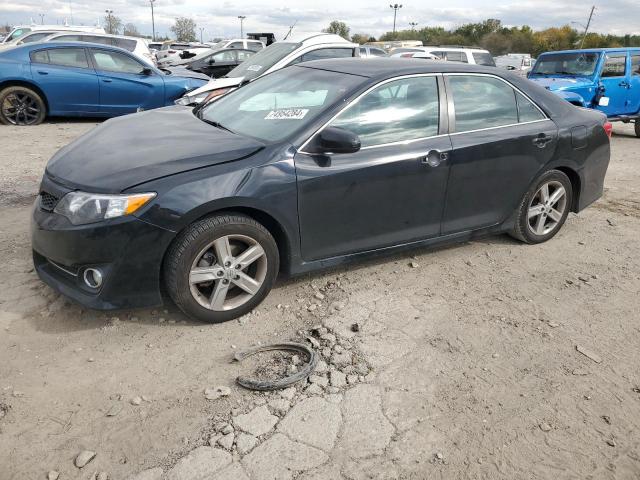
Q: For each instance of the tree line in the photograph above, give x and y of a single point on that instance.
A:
(184, 28)
(498, 39)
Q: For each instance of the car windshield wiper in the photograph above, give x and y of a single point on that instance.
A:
(211, 122)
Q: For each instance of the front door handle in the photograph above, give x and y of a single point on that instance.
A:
(107, 80)
(624, 83)
(42, 72)
(541, 140)
(434, 157)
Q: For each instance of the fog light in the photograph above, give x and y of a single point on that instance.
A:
(93, 277)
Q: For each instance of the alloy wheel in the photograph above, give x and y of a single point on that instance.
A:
(20, 108)
(228, 272)
(547, 207)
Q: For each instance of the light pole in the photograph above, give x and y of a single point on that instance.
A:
(109, 12)
(153, 22)
(41, 18)
(413, 25)
(241, 17)
(586, 28)
(201, 30)
(395, 7)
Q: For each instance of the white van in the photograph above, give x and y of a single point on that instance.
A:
(22, 29)
(135, 45)
(470, 55)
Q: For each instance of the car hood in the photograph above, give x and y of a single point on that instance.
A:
(181, 71)
(562, 83)
(134, 149)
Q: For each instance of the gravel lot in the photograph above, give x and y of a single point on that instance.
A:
(472, 353)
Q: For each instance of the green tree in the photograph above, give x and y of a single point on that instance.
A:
(184, 29)
(112, 24)
(361, 38)
(339, 28)
(131, 30)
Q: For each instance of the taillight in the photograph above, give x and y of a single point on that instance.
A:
(172, 51)
(608, 128)
(407, 55)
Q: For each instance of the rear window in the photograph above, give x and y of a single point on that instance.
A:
(483, 58)
(64, 57)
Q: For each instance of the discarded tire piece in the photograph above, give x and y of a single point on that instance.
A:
(266, 385)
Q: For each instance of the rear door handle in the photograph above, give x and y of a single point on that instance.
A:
(42, 72)
(434, 157)
(107, 80)
(541, 140)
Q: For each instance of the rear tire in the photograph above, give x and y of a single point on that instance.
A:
(221, 267)
(636, 127)
(544, 208)
(21, 106)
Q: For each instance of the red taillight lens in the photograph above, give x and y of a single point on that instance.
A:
(172, 51)
(608, 128)
(407, 55)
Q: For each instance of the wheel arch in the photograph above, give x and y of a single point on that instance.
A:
(576, 184)
(23, 83)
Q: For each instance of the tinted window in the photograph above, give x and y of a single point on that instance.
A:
(363, 51)
(397, 111)
(35, 37)
(17, 33)
(236, 45)
(615, 66)
(226, 56)
(124, 43)
(483, 58)
(244, 54)
(482, 102)
(40, 56)
(96, 39)
(377, 52)
(68, 38)
(255, 45)
(527, 111)
(115, 62)
(281, 103)
(67, 57)
(453, 56)
(324, 53)
(635, 64)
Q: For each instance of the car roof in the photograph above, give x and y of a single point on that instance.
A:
(382, 67)
(37, 45)
(314, 38)
(593, 50)
(106, 35)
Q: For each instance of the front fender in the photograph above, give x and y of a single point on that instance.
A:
(572, 97)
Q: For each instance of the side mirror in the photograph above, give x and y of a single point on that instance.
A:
(146, 71)
(211, 61)
(336, 140)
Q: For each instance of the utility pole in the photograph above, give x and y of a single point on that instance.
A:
(241, 17)
(587, 27)
(413, 25)
(395, 7)
(201, 30)
(41, 18)
(153, 22)
(109, 12)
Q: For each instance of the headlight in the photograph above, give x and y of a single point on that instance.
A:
(81, 208)
(187, 100)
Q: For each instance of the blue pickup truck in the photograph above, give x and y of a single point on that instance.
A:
(606, 79)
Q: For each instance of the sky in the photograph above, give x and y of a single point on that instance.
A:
(219, 18)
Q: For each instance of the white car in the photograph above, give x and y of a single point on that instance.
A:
(300, 48)
(418, 54)
(20, 30)
(135, 45)
(171, 51)
(241, 43)
(470, 55)
(30, 37)
(367, 51)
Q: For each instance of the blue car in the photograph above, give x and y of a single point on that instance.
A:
(82, 80)
(605, 79)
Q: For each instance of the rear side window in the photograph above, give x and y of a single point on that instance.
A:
(377, 52)
(324, 53)
(68, 38)
(96, 39)
(397, 111)
(226, 56)
(482, 102)
(615, 66)
(453, 56)
(255, 45)
(244, 54)
(64, 57)
(635, 64)
(236, 45)
(527, 111)
(125, 43)
(35, 37)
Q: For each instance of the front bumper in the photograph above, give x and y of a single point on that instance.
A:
(127, 251)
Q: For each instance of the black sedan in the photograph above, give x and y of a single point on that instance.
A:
(309, 167)
(218, 62)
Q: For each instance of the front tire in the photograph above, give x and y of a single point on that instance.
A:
(21, 106)
(544, 208)
(221, 267)
(636, 127)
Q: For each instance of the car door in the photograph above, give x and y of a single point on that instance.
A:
(500, 142)
(67, 79)
(614, 77)
(389, 192)
(220, 63)
(634, 83)
(124, 85)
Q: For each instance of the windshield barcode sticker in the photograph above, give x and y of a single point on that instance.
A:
(287, 114)
(254, 68)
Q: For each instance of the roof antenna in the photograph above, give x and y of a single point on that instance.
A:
(290, 28)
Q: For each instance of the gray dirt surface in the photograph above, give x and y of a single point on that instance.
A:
(473, 350)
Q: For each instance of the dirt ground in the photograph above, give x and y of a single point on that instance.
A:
(473, 348)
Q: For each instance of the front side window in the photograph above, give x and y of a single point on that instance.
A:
(277, 105)
(615, 66)
(482, 102)
(17, 33)
(401, 110)
(115, 62)
(244, 55)
(64, 57)
(226, 56)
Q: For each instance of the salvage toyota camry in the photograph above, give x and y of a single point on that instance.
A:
(305, 168)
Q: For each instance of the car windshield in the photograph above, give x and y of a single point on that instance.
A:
(263, 60)
(484, 58)
(277, 105)
(574, 64)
